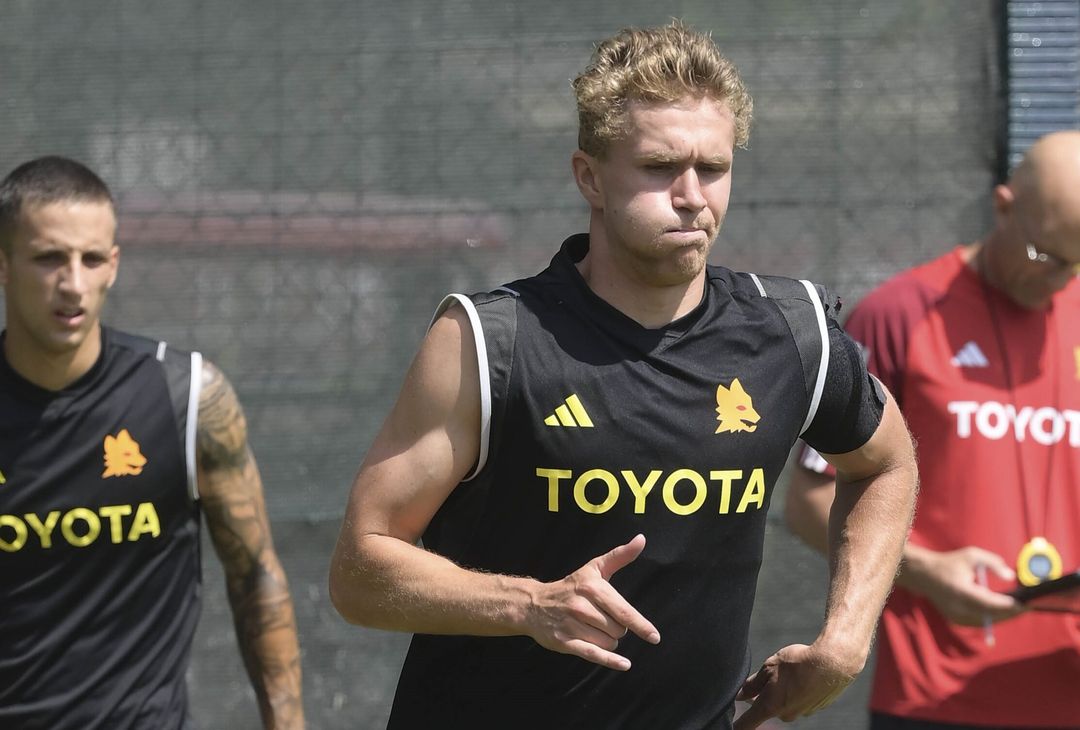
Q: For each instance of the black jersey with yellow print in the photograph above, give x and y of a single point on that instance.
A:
(595, 429)
(99, 541)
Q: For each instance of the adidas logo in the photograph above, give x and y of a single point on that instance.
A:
(571, 413)
(970, 356)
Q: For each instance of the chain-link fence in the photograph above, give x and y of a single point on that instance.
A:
(300, 182)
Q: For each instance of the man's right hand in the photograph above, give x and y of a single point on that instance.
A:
(949, 580)
(583, 615)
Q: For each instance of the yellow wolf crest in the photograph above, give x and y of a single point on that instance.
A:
(122, 456)
(736, 409)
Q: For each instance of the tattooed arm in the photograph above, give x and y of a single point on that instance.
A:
(232, 498)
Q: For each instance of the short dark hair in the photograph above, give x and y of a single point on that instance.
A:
(46, 180)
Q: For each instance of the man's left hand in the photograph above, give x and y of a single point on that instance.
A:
(798, 680)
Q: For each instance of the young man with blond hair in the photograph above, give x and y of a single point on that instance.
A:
(588, 454)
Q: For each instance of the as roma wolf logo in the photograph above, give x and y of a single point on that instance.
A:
(736, 409)
(122, 456)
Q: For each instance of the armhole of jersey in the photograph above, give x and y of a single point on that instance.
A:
(823, 365)
(481, 366)
(193, 424)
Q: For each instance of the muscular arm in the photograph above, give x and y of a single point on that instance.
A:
(883, 322)
(865, 536)
(868, 526)
(231, 492)
(379, 577)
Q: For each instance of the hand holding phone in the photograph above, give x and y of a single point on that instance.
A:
(1060, 594)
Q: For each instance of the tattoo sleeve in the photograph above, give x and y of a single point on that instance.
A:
(232, 498)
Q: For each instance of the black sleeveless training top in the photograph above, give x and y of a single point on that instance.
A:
(99, 541)
(596, 429)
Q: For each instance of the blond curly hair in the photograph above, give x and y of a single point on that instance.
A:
(654, 65)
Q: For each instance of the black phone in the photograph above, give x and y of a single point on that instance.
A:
(1060, 594)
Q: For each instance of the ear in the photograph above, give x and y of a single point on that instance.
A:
(1004, 199)
(587, 175)
(114, 262)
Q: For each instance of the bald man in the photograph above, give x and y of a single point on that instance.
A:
(981, 349)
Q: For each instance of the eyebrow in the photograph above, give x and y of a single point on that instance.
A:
(673, 157)
(49, 245)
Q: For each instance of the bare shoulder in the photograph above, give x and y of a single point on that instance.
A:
(429, 441)
(450, 335)
(449, 359)
(444, 374)
(222, 431)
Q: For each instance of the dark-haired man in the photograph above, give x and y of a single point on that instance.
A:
(111, 447)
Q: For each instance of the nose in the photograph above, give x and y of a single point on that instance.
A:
(73, 277)
(686, 193)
